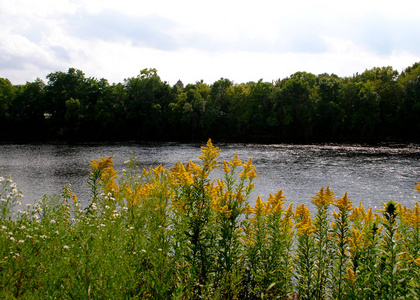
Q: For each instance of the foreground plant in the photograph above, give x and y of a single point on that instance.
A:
(178, 234)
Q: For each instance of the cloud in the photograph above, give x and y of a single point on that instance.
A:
(149, 31)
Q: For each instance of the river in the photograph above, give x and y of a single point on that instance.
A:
(369, 174)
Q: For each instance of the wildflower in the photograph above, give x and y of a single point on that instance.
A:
(344, 203)
(142, 250)
(43, 237)
(131, 228)
(259, 206)
(21, 241)
(209, 155)
(3, 227)
(56, 232)
(52, 221)
(323, 198)
(66, 247)
(236, 162)
(350, 276)
(225, 167)
(11, 238)
(160, 250)
(102, 225)
(417, 188)
(304, 223)
(248, 171)
(248, 210)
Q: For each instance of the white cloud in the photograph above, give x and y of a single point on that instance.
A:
(190, 40)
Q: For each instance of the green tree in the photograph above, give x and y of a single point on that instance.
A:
(27, 110)
(329, 114)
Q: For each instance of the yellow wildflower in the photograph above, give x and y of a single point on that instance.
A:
(248, 210)
(344, 203)
(323, 198)
(356, 239)
(236, 162)
(193, 168)
(226, 168)
(247, 171)
(410, 216)
(417, 188)
(259, 206)
(239, 197)
(351, 278)
(304, 223)
(224, 210)
(101, 164)
(209, 155)
(182, 174)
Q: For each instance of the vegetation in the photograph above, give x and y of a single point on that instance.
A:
(380, 104)
(177, 234)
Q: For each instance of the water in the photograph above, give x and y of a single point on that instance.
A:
(370, 175)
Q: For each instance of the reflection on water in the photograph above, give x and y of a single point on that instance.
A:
(369, 174)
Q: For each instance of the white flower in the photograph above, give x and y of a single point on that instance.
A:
(21, 241)
(28, 205)
(11, 238)
(28, 236)
(107, 207)
(159, 249)
(66, 247)
(102, 225)
(131, 228)
(142, 250)
(52, 221)
(56, 232)
(43, 237)
(1, 179)
(3, 227)
(125, 208)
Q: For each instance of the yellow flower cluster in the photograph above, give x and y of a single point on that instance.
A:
(323, 198)
(209, 155)
(103, 169)
(410, 216)
(344, 203)
(351, 278)
(248, 171)
(303, 221)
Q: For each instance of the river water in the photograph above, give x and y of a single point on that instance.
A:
(368, 174)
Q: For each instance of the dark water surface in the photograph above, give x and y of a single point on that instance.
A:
(368, 174)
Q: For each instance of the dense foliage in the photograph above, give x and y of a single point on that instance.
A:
(176, 234)
(380, 104)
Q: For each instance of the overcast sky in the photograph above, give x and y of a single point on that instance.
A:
(205, 40)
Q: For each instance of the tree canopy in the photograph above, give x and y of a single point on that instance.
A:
(380, 104)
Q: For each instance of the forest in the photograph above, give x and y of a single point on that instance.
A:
(378, 105)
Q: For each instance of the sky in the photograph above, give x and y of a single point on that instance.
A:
(205, 40)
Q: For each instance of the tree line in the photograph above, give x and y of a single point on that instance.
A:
(380, 104)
